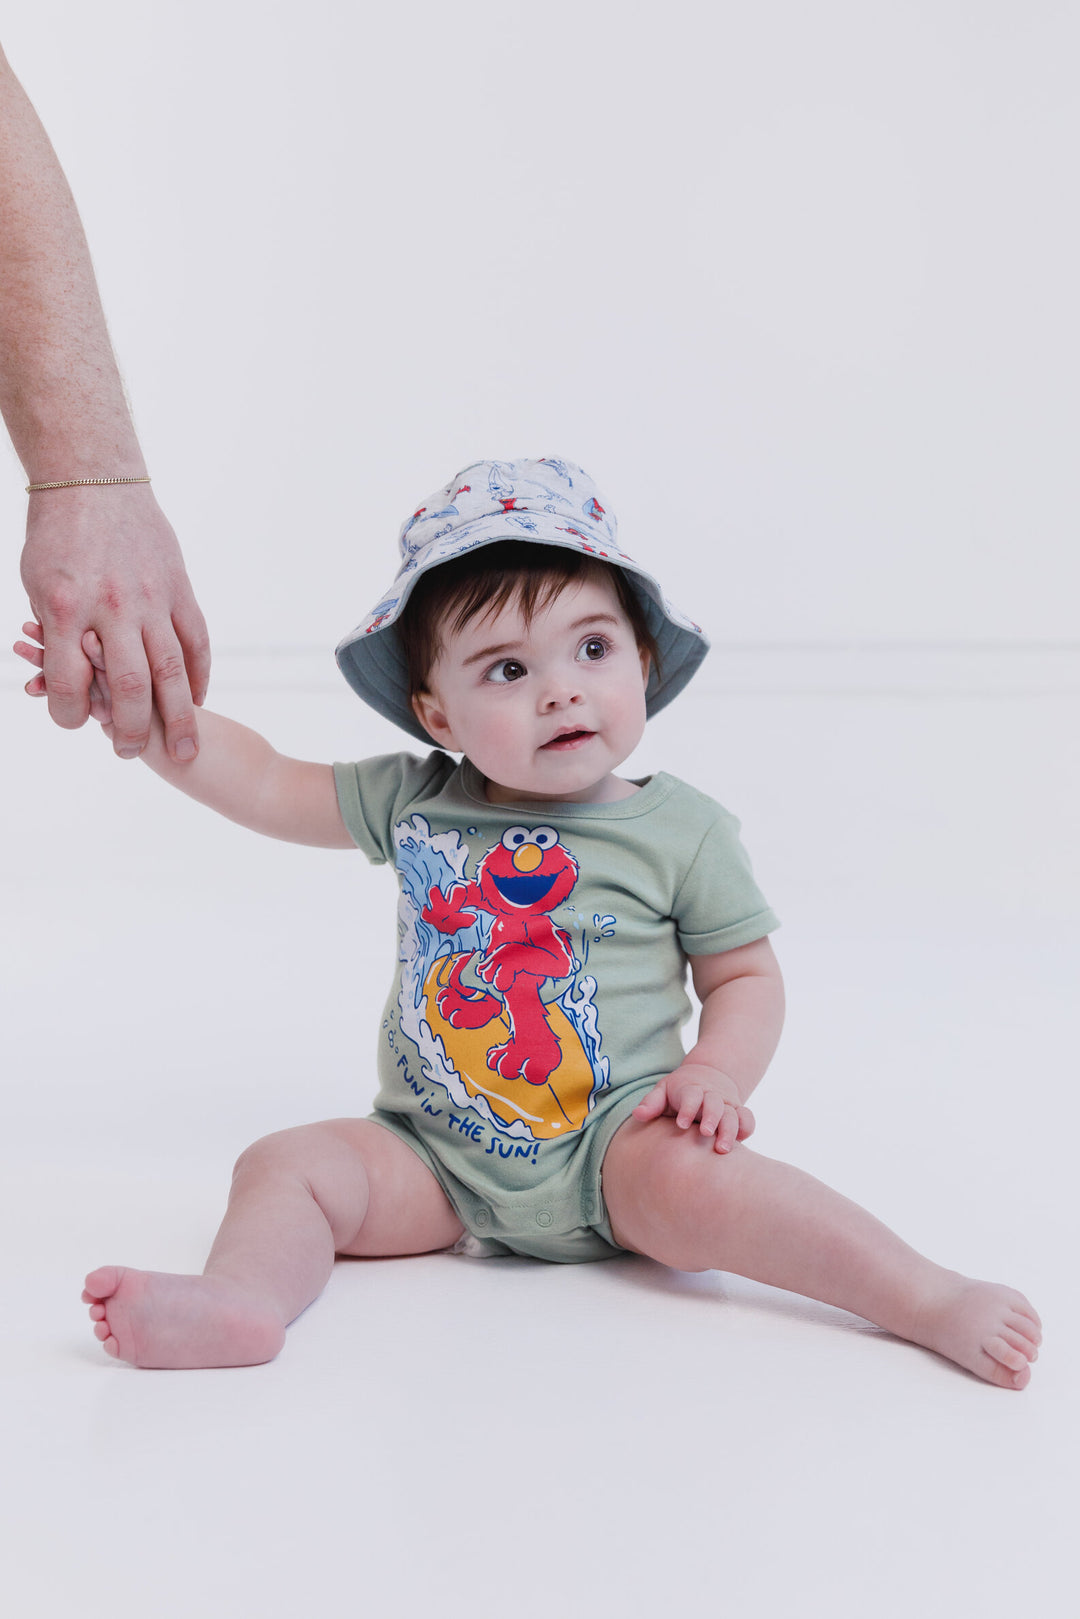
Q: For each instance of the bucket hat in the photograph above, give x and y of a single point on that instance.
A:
(548, 501)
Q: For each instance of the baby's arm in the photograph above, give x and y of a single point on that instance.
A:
(236, 771)
(239, 774)
(742, 1011)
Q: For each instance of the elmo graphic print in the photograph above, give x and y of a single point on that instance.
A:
(492, 995)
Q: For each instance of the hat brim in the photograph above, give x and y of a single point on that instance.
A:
(372, 658)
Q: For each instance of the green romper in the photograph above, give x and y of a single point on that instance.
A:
(540, 983)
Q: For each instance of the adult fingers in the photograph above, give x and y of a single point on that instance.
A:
(172, 694)
(67, 672)
(128, 674)
(190, 627)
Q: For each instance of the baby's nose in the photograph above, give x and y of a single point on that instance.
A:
(560, 693)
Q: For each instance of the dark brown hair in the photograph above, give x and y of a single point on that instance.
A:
(485, 580)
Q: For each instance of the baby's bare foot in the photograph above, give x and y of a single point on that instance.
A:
(990, 1329)
(153, 1318)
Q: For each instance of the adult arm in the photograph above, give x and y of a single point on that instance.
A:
(102, 559)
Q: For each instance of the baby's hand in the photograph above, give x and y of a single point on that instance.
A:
(100, 701)
(694, 1091)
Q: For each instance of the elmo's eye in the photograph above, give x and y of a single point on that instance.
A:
(515, 836)
(545, 837)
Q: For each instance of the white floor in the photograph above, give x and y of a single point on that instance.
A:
(467, 1437)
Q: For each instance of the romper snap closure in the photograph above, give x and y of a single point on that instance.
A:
(544, 1217)
(482, 1216)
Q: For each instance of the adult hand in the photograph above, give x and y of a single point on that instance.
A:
(106, 559)
(33, 651)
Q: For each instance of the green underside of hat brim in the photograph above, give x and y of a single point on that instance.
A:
(375, 665)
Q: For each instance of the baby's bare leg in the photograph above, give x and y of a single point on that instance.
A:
(671, 1196)
(298, 1198)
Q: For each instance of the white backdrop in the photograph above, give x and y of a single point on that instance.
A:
(795, 283)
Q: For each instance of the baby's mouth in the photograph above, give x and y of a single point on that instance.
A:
(567, 740)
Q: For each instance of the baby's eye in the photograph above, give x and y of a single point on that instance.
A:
(595, 648)
(502, 673)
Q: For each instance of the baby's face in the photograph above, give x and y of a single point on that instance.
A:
(544, 711)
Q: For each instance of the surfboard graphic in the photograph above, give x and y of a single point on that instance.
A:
(557, 1107)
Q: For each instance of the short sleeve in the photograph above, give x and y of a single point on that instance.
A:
(719, 906)
(374, 794)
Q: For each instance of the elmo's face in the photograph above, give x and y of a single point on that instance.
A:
(545, 710)
(529, 872)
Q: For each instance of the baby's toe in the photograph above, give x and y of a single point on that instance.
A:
(1028, 1326)
(1006, 1354)
(994, 1369)
(1021, 1307)
(102, 1283)
(1019, 1340)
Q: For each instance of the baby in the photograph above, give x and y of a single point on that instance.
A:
(535, 1096)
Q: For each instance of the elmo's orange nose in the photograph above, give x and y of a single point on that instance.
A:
(528, 857)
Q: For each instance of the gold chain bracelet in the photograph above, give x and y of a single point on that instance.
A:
(76, 483)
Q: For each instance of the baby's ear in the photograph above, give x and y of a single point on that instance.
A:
(432, 718)
(646, 663)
